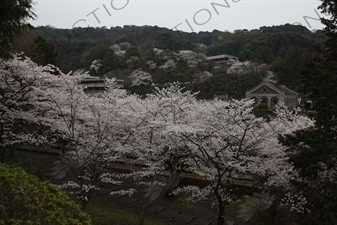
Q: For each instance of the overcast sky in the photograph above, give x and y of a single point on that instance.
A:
(186, 15)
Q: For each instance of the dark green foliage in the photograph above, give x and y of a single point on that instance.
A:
(26, 200)
(330, 7)
(46, 50)
(233, 85)
(13, 13)
(283, 47)
(263, 111)
(314, 151)
(307, 150)
(35, 47)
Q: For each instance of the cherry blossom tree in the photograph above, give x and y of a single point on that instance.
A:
(270, 77)
(140, 77)
(190, 57)
(202, 77)
(245, 67)
(52, 107)
(218, 140)
(169, 131)
(159, 146)
(222, 146)
(117, 50)
(164, 54)
(228, 142)
(151, 64)
(94, 130)
(23, 108)
(157, 51)
(201, 47)
(169, 65)
(96, 65)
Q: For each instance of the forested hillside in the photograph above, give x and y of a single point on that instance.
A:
(165, 55)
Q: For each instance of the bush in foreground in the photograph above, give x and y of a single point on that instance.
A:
(26, 200)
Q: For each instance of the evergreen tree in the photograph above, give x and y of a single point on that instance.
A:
(13, 14)
(35, 47)
(314, 151)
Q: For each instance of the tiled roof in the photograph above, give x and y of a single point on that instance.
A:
(221, 57)
(278, 88)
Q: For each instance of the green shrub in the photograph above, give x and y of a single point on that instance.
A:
(26, 200)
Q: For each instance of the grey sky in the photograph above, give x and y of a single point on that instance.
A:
(190, 15)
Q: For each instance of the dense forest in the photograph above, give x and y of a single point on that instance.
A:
(180, 56)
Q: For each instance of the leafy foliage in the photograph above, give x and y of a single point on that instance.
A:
(13, 14)
(283, 48)
(313, 151)
(26, 200)
(34, 47)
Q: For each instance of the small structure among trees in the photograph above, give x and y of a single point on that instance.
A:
(95, 84)
(271, 95)
(221, 60)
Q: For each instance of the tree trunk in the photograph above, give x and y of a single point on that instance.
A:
(84, 202)
(143, 213)
(221, 212)
(2, 156)
(2, 149)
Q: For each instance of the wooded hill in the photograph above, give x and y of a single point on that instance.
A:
(180, 56)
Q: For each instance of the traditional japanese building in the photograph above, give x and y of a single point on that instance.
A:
(94, 84)
(270, 95)
(222, 60)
